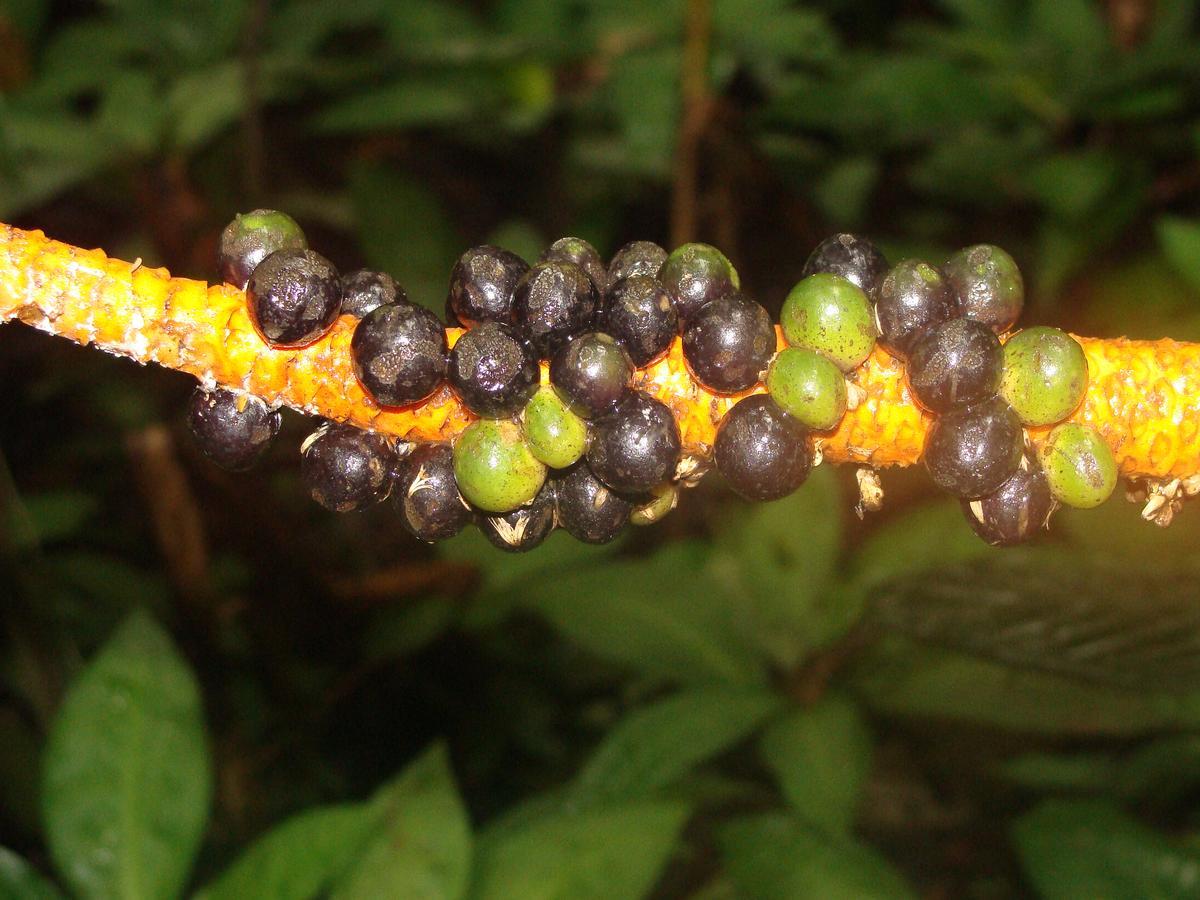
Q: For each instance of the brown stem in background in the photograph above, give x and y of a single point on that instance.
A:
(1127, 20)
(252, 118)
(696, 102)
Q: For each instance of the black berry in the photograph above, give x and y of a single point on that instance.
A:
(587, 508)
(729, 343)
(640, 314)
(294, 297)
(971, 452)
(636, 258)
(399, 354)
(852, 257)
(578, 251)
(346, 468)
(637, 447)
(591, 374)
(482, 284)
(365, 290)
(553, 302)
(695, 275)
(524, 527)
(988, 285)
(252, 237)
(232, 429)
(913, 297)
(1015, 511)
(954, 365)
(426, 495)
(494, 370)
(762, 451)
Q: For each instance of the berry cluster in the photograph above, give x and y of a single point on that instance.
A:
(550, 364)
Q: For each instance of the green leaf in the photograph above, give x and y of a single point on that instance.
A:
(204, 102)
(131, 112)
(423, 849)
(21, 881)
(654, 747)
(1046, 772)
(778, 857)
(644, 96)
(59, 515)
(1091, 849)
(1180, 242)
(821, 757)
(416, 102)
(844, 191)
(28, 16)
(609, 853)
(1073, 186)
(127, 776)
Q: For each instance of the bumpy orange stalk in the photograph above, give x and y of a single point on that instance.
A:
(1143, 396)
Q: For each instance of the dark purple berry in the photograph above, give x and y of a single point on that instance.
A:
(578, 251)
(494, 370)
(988, 285)
(913, 297)
(346, 468)
(482, 285)
(971, 452)
(365, 290)
(425, 493)
(1016, 511)
(637, 447)
(762, 451)
(232, 429)
(526, 526)
(955, 364)
(399, 354)
(636, 258)
(729, 343)
(252, 237)
(640, 314)
(695, 275)
(553, 302)
(852, 257)
(294, 297)
(587, 508)
(591, 374)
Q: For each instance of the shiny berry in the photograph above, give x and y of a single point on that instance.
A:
(1015, 511)
(252, 237)
(587, 508)
(971, 452)
(912, 298)
(1080, 467)
(636, 447)
(426, 494)
(399, 354)
(761, 451)
(591, 374)
(729, 343)
(346, 468)
(1045, 375)
(494, 468)
(578, 251)
(364, 290)
(294, 296)
(553, 302)
(854, 258)
(988, 285)
(482, 284)
(695, 275)
(232, 429)
(636, 258)
(525, 527)
(556, 436)
(493, 370)
(640, 314)
(663, 498)
(831, 315)
(808, 387)
(954, 365)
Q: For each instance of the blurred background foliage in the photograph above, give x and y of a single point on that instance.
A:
(207, 682)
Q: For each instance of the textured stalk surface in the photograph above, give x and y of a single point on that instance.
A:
(1143, 396)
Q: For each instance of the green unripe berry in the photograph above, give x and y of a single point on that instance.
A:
(1045, 375)
(493, 466)
(696, 274)
(662, 500)
(831, 315)
(1079, 465)
(252, 237)
(556, 436)
(808, 386)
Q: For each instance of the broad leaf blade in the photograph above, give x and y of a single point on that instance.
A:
(21, 881)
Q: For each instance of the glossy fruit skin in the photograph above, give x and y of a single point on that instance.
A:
(761, 451)
(912, 298)
(831, 315)
(729, 343)
(637, 447)
(493, 370)
(364, 290)
(581, 253)
(1014, 512)
(851, 256)
(293, 297)
(426, 494)
(988, 285)
(1080, 467)
(525, 527)
(482, 283)
(643, 258)
(232, 429)
(252, 237)
(696, 275)
(399, 354)
(954, 365)
(591, 374)
(971, 452)
(493, 466)
(556, 436)
(553, 302)
(808, 387)
(346, 468)
(640, 314)
(587, 508)
(1045, 375)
